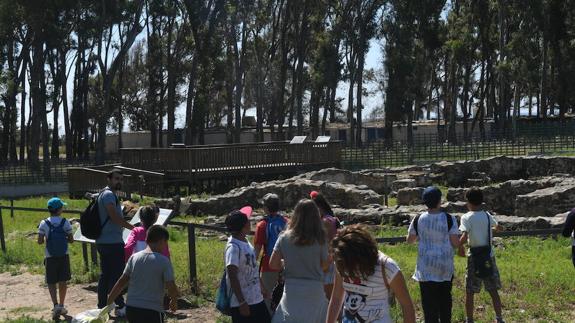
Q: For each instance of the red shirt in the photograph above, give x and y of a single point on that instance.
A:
(260, 239)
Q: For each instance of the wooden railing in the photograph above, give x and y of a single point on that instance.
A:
(82, 180)
(204, 161)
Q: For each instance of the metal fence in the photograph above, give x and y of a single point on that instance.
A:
(431, 148)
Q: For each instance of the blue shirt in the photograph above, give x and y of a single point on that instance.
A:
(111, 232)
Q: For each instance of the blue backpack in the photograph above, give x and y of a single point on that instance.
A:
(57, 242)
(274, 226)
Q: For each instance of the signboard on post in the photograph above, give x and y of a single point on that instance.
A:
(322, 139)
(298, 140)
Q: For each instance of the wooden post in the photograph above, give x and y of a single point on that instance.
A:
(2, 241)
(94, 254)
(192, 257)
(85, 256)
(12, 208)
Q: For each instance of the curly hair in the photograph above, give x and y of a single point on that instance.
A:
(305, 225)
(355, 252)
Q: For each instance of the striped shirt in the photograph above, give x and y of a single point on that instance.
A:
(367, 300)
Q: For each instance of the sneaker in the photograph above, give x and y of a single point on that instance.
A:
(56, 311)
(120, 312)
(63, 310)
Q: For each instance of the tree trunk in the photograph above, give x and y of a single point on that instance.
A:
(63, 80)
(359, 73)
(23, 128)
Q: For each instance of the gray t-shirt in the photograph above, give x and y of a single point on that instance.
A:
(149, 272)
(111, 232)
(301, 262)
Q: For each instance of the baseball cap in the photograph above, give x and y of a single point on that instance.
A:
(236, 220)
(55, 203)
(431, 196)
(313, 194)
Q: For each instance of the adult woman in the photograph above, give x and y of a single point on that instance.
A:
(303, 249)
(365, 276)
(331, 224)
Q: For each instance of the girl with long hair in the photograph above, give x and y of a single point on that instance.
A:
(303, 250)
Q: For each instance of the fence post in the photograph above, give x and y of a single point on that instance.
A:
(192, 257)
(85, 256)
(12, 208)
(2, 241)
(94, 254)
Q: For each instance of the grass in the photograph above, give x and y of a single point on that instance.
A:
(537, 274)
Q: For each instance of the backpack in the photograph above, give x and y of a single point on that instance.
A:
(57, 242)
(224, 293)
(90, 224)
(274, 226)
(448, 218)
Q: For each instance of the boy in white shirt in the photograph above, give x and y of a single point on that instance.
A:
(481, 267)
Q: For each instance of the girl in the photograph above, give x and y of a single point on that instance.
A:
(366, 277)
(137, 238)
(304, 252)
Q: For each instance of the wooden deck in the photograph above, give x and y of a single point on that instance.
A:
(216, 161)
(150, 170)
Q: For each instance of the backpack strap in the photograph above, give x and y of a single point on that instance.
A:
(449, 220)
(385, 281)
(98, 201)
(488, 227)
(48, 223)
(62, 223)
(415, 222)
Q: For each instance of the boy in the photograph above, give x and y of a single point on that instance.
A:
(267, 233)
(56, 232)
(247, 301)
(437, 234)
(476, 227)
(148, 272)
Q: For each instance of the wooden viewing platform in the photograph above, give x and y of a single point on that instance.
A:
(151, 169)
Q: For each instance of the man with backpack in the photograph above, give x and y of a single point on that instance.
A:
(267, 233)
(437, 234)
(56, 232)
(109, 242)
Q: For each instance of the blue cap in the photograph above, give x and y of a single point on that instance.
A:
(431, 196)
(55, 203)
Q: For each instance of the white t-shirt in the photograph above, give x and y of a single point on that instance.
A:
(435, 253)
(476, 226)
(367, 300)
(44, 229)
(241, 254)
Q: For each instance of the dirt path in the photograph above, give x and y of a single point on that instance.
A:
(26, 295)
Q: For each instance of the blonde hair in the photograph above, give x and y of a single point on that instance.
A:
(305, 226)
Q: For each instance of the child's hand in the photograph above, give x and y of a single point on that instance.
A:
(461, 251)
(173, 304)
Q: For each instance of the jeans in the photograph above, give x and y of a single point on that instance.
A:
(436, 301)
(111, 268)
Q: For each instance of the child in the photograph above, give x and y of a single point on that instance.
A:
(476, 227)
(366, 277)
(437, 234)
(137, 239)
(247, 301)
(147, 273)
(57, 233)
(569, 231)
(331, 224)
(267, 233)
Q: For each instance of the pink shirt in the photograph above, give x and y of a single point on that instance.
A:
(137, 242)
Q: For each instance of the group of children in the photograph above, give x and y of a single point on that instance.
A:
(301, 256)
(360, 281)
(147, 272)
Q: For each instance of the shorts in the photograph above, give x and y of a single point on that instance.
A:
(329, 276)
(57, 269)
(473, 283)
(143, 315)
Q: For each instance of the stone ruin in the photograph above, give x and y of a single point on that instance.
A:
(521, 192)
